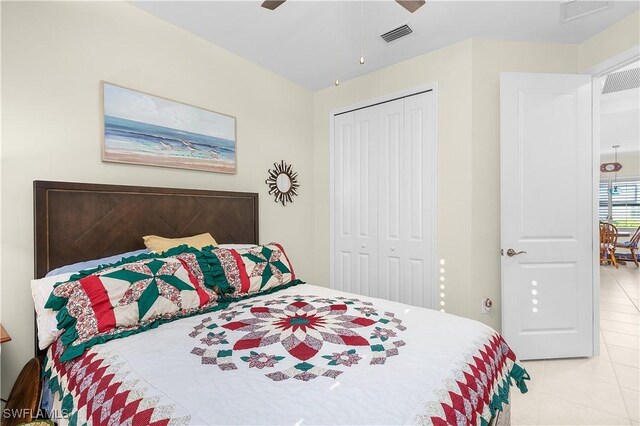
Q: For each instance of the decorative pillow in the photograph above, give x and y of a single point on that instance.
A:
(46, 318)
(129, 297)
(91, 264)
(240, 272)
(160, 244)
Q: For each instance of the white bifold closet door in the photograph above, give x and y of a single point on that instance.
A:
(384, 200)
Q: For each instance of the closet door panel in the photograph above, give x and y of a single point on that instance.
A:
(420, 215)
(391, 163)
(363, 175)
(343, 201)
(411, 293)
(392, 279)
(355, 226)
(343, 271)
(391, 198)
(365, 221)
(344, 186)
(414, 152)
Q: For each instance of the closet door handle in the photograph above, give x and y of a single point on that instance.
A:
(393, 249)
(362, 246)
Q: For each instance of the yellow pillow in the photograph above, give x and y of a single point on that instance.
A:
(160, 244)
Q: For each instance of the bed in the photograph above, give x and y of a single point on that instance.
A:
(296, 354)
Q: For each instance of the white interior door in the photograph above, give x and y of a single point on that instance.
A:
(546, 213)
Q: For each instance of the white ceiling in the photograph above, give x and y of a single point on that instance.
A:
(314, 42)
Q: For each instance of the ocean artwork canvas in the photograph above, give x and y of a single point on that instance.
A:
(151, 130)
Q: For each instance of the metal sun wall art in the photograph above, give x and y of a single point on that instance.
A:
(283, 182)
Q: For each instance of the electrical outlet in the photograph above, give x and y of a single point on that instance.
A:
(486, 305)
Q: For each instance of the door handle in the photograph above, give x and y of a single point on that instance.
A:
(511, 252)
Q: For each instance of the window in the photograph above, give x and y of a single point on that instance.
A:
(620, 203)
(603, 197)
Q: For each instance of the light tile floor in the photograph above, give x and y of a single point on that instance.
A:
(602, 390)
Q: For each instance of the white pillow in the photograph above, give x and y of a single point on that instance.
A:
(236, 246)
(46, 318)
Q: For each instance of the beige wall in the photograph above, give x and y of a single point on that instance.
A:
(616, 39)
(53, 57)
(468, 155)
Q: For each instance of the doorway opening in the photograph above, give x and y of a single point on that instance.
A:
(617, 98)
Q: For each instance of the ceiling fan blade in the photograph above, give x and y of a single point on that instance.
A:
(410, 5)
(272, 4)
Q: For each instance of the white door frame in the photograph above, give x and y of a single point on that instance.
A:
(597, 72)
(433, 87)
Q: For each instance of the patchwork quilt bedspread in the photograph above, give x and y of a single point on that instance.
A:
(301, 355)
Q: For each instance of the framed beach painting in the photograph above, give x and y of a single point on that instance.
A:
(151, 130)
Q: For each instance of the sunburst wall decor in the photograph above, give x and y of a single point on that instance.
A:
(283, 182)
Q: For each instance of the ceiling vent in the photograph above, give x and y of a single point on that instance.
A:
(622, 80)
(574, 9)
(396, 33)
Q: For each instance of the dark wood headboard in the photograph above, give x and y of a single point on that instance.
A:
(75, 222)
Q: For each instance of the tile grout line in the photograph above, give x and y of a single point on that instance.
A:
(619, 332)
(614, 303)
(625, 292)
(627, 418)
(539, 410)
(606, 345)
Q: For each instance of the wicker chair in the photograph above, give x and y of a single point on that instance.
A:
(631, 245)
(608, 240)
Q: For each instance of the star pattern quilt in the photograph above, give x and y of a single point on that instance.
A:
(301, 355)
